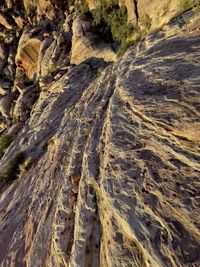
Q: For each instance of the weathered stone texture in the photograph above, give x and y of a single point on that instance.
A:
(112, 149)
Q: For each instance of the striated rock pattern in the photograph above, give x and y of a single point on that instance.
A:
(111, 151)
(27, 57)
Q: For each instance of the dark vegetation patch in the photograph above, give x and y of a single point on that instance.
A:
(11, 170)
(112, 22)
(5, 141)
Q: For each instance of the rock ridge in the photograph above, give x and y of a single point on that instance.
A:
(100, 155)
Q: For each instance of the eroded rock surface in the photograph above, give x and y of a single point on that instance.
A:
(150, 14)
(112, 151)
(158, 13)
(86, 44)
(27, 57)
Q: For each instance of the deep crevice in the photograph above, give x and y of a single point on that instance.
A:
(136, 10)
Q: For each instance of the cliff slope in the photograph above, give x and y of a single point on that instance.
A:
(100, 161)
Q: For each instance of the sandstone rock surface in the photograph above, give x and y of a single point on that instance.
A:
(111, 168)
(131, 10)
(5, 22)
(129, 4)
(85, 44)
(158, 13)
(151, 14)
(27, 57)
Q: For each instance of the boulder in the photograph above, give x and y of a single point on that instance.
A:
(27, 57)
(85, 44)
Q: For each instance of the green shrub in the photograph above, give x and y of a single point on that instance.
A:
(11, 170)
(82, 7)
(123, 47)
(5, 141)
(115, 18)
(25, 165)
(111, 19)
(112, 22)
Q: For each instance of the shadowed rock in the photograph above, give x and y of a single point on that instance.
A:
(116, 170)
(112, 151)
(5, 104)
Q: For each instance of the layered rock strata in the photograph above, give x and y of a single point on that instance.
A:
(110, 151)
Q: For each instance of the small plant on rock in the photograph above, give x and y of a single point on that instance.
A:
(111, 20)
(82, 7)
(11, 170)
(114, 17)
(5, 141)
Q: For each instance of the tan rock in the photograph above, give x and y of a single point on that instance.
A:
(9, 3)
(36, 7)
(85, 45)
(19, 21)
(43, 69)
(116, 156)
(158, 13)
(27, 57)
(54, 53)
(131, 10)
(4, 21)
(2, 91)
(92, 4)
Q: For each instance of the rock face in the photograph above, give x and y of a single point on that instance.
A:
(33, 7)
(4, 22)
(27, 57)
(111, 151)
(85, 40)
(150, 14)
(158, 13)
(131, 6)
